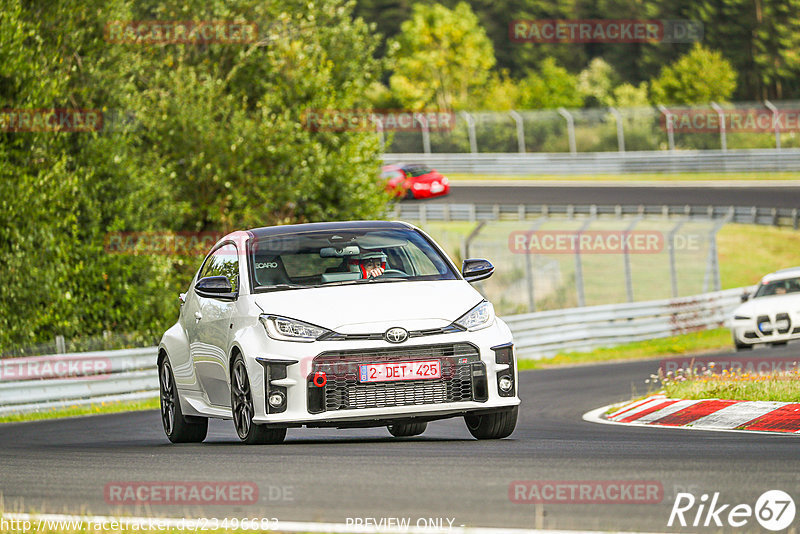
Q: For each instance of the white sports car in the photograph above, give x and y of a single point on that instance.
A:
(353, 324)
(771, 314)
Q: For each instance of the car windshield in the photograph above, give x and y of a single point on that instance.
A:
(345, 256)
(416, 170)
(778, 287)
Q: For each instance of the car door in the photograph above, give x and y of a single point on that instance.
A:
(212, 330)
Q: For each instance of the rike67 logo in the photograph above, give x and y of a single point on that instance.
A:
(774, 510)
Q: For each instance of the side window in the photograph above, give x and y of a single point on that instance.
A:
(224, 262)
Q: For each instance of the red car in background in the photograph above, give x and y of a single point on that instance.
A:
(414, 181)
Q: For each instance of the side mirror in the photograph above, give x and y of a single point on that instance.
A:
(214, 287)
(476, 269)
(745, 296)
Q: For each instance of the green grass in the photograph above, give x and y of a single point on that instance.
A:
(747, 252)
(748, 385)
(643, 177)
(75, 411)
(768, 389)
(696, 342)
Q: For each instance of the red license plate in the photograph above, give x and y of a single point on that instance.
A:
(386, 372)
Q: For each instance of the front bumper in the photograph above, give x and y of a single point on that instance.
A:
(777, 327)
(471, 369)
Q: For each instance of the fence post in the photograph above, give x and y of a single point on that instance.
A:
(61, 346)
(379, 127)
(570, 129)
(723, 139)
(620, 131)
(468, 240)
(520, 131)
(579, 265)
(770, 106)
(670, 126)
(673, 271)
(426, 134)
(627, 260)
(711, 276)
(473, 142)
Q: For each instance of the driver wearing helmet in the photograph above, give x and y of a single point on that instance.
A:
(370, 264)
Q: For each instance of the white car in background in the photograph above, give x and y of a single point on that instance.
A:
(353, 324)
(771, 314)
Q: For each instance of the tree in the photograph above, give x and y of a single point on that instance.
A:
(501, 93)
(597, 82)
(440, 57)
(777, 41)
(699, 77)
(218, 142)
(551, 86)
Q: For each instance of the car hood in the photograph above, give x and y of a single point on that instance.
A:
(374, 307)
(772, 304)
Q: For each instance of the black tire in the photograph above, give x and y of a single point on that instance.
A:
(404, 430)
(177, 427)
(741, 346)
(779, 343)
(496, 425)
(242, 408)
(409, 194)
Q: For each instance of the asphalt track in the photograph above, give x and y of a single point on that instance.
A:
(722, 194)
(331, 475)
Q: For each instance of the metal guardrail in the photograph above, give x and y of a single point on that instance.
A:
(661, 161)
(423, 212)
(41, 383)
(542, 334)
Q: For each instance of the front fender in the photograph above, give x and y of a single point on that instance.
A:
(252, 342)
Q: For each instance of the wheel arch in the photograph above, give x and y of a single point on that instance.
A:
(236, 350)
(162, 355)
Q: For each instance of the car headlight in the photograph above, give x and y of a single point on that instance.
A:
(741, 318)
(285, 329)
(478, 317)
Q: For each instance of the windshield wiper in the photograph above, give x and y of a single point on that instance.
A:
(360, 281)
(281, 287)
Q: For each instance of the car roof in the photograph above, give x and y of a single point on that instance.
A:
(322, 226)
(781, 274)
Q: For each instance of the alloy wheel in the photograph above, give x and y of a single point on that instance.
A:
(242, 402)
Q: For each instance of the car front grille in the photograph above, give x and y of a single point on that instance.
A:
(766, 327)
(463, 378)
